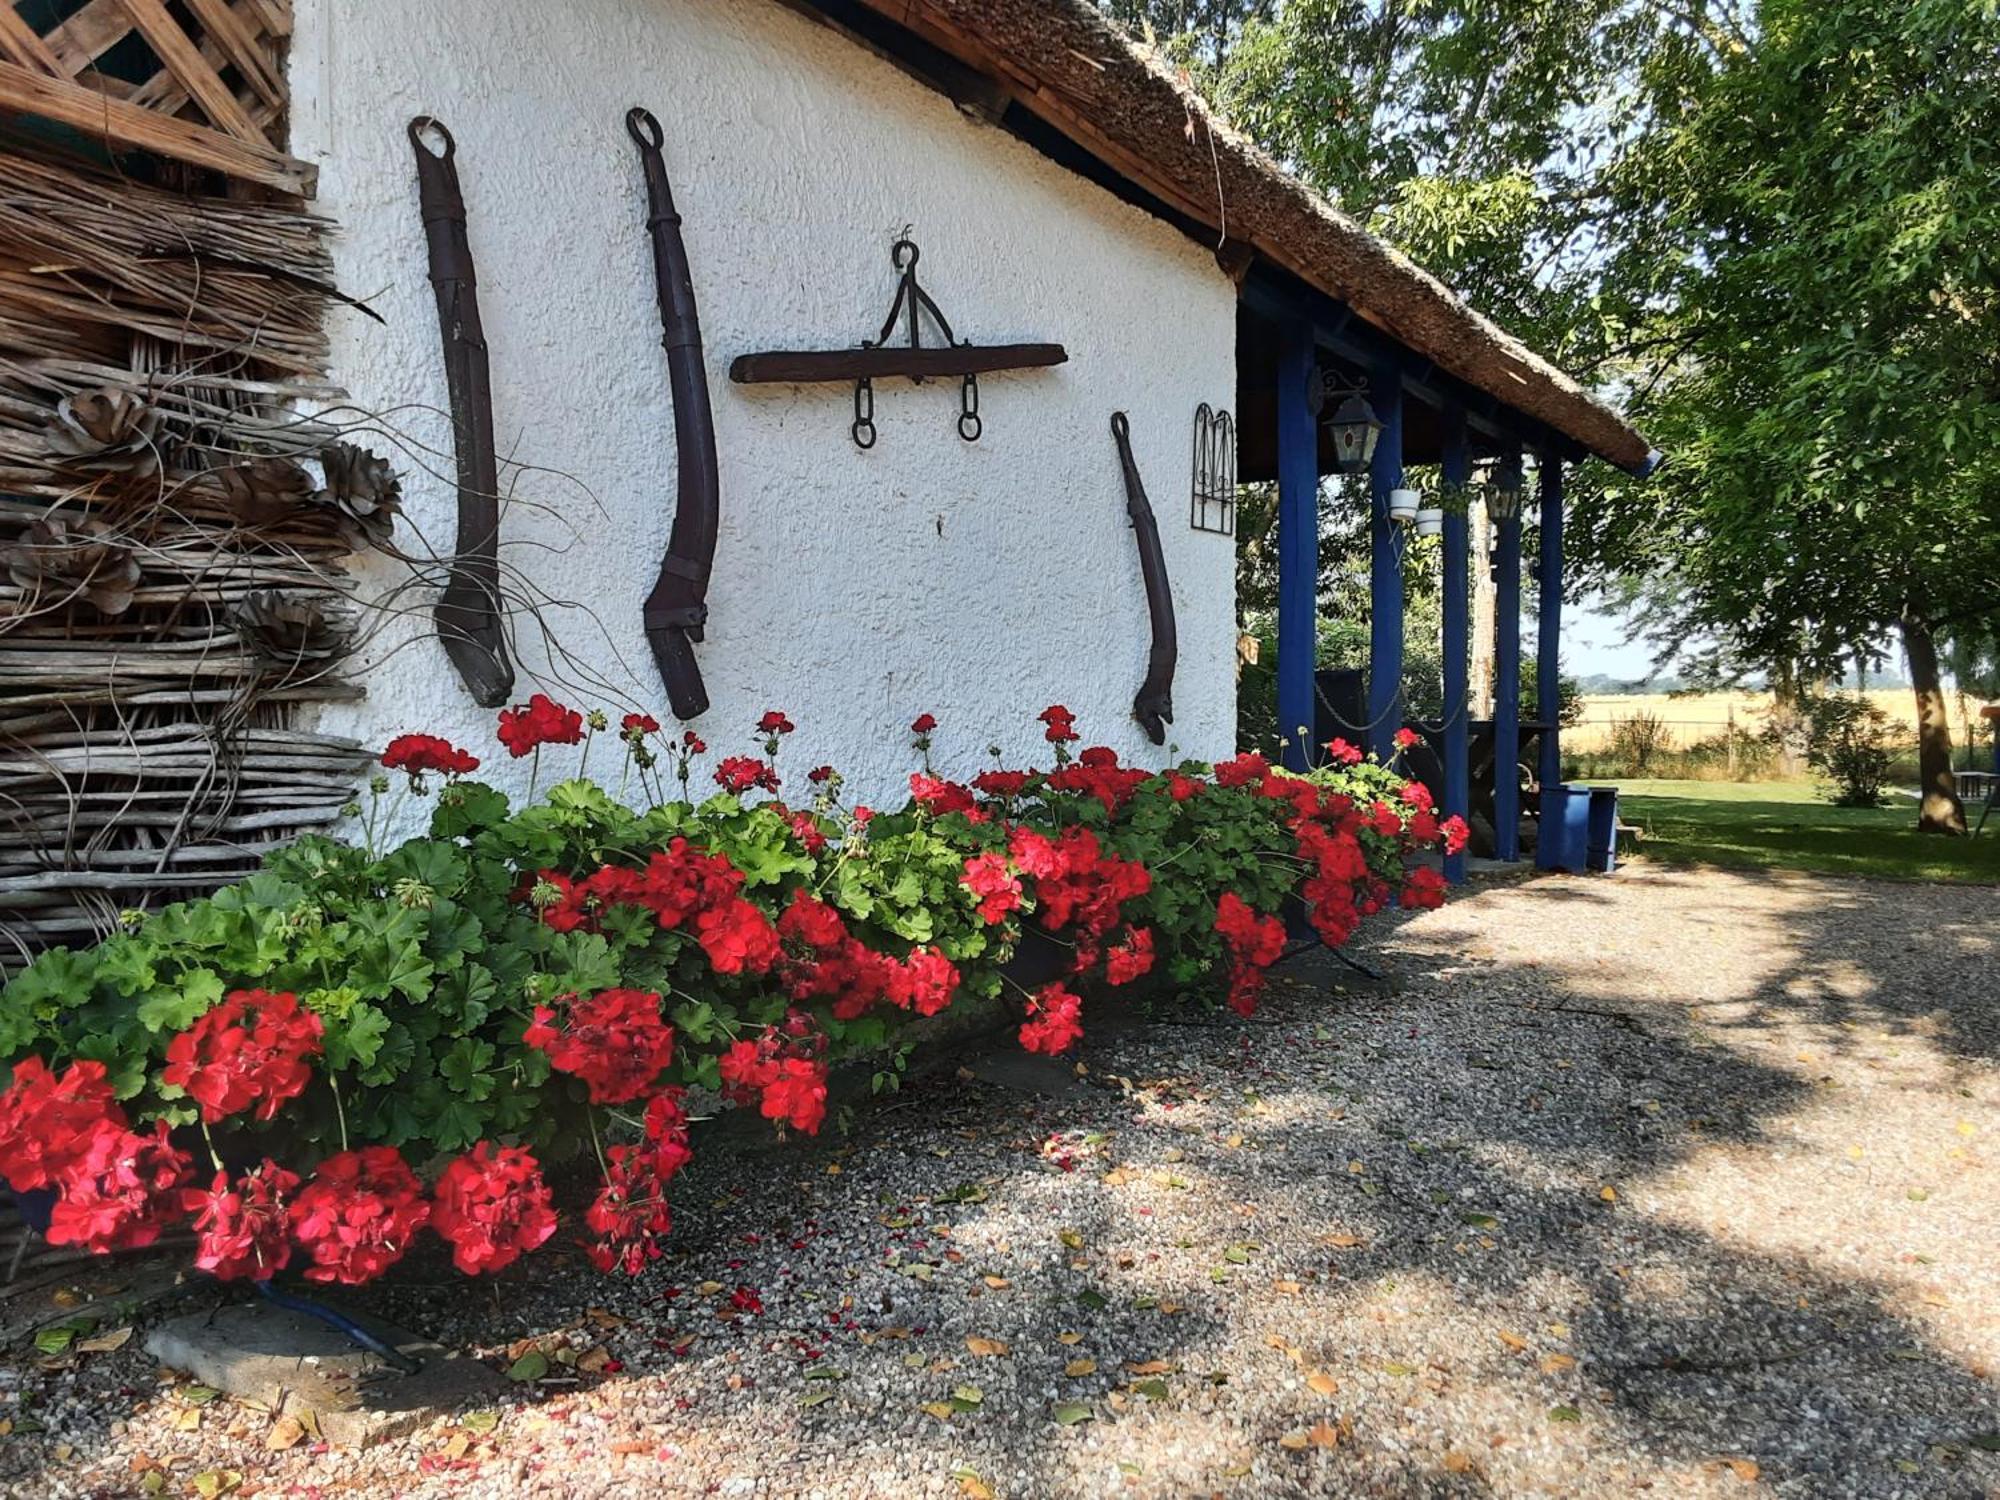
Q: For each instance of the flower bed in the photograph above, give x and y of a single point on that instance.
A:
(520, 984)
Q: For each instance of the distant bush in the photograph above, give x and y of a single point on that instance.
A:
(1638, 744)
(1734, 754)
(1850, 747)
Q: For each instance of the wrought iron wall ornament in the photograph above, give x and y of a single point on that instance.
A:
(468, 614)
(1153, 705)
(912, 358)
(1212, 503)
(676, 611)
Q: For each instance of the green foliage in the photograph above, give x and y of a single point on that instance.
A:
(1849, 745)
(426, 963)
(1826, 204)
(1638, 741)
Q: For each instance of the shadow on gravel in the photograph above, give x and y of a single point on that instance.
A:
(1441, 1138)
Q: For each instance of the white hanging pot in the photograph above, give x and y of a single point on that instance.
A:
(1403, 506)
(1430, 520)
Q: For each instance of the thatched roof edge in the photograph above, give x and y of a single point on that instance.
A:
(1064, 62)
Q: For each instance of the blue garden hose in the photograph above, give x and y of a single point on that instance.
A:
(341, 1324)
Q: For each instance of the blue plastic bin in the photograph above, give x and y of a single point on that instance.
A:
(1562, 838)
(1603, 856)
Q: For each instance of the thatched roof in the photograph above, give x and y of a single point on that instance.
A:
(1063, 62)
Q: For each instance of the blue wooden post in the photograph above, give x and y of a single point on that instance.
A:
(1385, 567)
(1507, 678)
(1548, 635)
(1298, 547)
(1457, 470)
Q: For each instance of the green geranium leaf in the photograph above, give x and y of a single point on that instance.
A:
(356, 1037)
(177, 1008)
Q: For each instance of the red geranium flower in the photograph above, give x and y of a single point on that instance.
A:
(790, 1086)
(937, 796)
(989, 879)
(421, 753)
(250, 1049)
(1255, 942)
(1455, 834)
(493, 1207)
(120, 1191)
(737, 937)
(615, 1042)
(358, 1215)
(923, 724)
(1076, 883)
(1423, 889)
(924, 982)
(243, 1228)
(1342, 753)
(1243, 769)
(1061, 724)
(540, 721)
(774, 722)
(1406, 738)
(47, 1122)
(1055, 1021)
(630, 1215)
(636, 726)
(693, 743)
(667, 1134)
(743, 773)
(819, 774)
(1001, 783)
(1130, 957)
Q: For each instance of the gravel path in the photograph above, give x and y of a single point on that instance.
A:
(1676, 1182)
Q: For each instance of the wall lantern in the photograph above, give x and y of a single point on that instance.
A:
(1503, 490)
(1354, 426)
(1430, 517)
(1403, 506)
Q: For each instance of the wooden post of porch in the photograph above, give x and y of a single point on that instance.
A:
(1457, 471)
(1385, 568)
(1548, 638)
(1507, 676)
(1298, 548)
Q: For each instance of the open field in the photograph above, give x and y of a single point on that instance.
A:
(1700, 716)
(1786, 825)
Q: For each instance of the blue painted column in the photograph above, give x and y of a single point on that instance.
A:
(1548, 609)
(1457, 470)
(1298, 547)
(1507, 678)
(1385, 567)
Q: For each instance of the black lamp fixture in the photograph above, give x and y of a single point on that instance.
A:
(1353, 425)
(1503, 489)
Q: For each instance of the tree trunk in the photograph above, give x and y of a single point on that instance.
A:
(1479, 677)
(1939, 811)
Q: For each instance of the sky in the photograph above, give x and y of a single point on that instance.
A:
(1594, 641)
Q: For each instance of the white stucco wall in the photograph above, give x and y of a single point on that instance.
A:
(854, 590)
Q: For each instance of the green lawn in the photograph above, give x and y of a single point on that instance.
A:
(1786, 825)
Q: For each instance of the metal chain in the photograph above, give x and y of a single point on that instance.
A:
(969, 425)
(863, 429)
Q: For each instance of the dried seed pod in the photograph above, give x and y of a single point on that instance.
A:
(365, 491)
(264, 491)
(292, 628)
(60, 559)
(105, 431)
